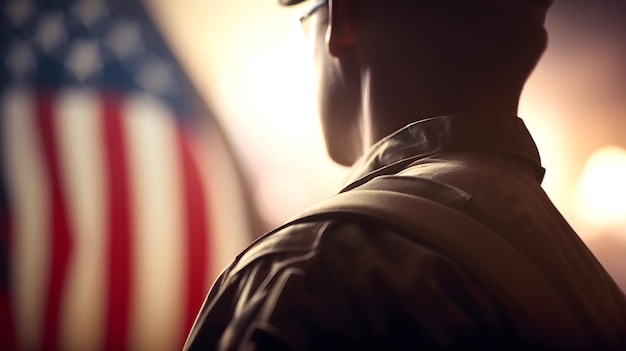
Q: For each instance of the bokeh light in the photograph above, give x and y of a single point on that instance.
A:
(601, 193)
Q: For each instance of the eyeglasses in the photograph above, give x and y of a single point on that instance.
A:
(304, 19)
(318, 5)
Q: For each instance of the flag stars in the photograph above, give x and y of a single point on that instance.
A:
(156, 76)
(89, 11)
(50, 32)
(84, 59)
(19, 10)
(20, 59)
(124, 40)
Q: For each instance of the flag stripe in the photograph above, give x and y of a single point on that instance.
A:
(7, 333)
(29, 196)
(229, 233)
(120, 244)
(7, 327)
(60, 231)
(159, 228)
(197, 232)
(7, 323)
(81, 149)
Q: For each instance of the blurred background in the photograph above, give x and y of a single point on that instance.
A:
(144, 144)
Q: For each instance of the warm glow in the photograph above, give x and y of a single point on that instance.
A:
(601, 192)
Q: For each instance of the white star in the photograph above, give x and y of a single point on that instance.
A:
(89, 11)
(156, 76)
(19, 10)
(124, 39)
(20, 59)
(50, 32)
(84, 59)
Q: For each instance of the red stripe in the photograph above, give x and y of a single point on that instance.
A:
(119, 274)
(60, 230)
(197, 232)
(7, 327)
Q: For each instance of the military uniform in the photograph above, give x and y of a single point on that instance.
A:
(354, 283)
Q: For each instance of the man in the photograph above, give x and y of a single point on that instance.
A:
(425, 91)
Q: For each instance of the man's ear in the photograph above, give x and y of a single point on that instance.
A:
(341, 36)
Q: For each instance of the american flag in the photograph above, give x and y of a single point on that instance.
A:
(119, 201)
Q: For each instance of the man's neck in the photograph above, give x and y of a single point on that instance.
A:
(386, 109)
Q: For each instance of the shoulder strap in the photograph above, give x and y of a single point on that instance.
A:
(540, 313)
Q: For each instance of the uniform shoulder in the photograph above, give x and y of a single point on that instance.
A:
(307, 238)
(294, 238)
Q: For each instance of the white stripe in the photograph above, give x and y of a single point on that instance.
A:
(157, 302)
(79, 131)
(230, 223)
(29, 196)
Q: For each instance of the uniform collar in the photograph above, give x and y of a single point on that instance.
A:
(505, 135)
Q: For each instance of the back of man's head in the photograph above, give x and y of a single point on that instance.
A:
(491, 36)
(478, 34)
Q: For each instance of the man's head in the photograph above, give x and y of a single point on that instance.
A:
(382, 64)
